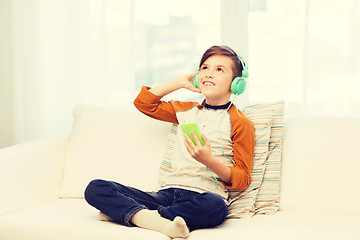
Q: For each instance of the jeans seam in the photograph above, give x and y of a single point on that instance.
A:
(135, 198)
(128, 195)
(165, 198)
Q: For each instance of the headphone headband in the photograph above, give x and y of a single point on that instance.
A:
(244, 72)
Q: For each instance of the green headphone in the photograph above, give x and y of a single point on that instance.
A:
(238, 84)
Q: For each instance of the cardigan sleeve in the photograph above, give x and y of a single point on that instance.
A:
(243, 137)
(152, 106)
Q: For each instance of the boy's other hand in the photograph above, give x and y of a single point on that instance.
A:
(204, 155)
(200, 153)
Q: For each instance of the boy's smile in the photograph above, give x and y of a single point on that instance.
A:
(208, 83)
(215, 79)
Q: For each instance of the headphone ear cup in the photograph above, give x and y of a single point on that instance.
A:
(196, 80)
(238, 85)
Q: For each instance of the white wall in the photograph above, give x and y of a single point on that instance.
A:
(234, 33)
(5, 74)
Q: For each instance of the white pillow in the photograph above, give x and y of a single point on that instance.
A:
(242, 203)
(268, 197)
(113, 145)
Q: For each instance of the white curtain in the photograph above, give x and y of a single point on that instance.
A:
(307, 53)
(65, 53)
(61, 53)
(332, 58)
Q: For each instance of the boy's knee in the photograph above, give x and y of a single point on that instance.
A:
(213, 203)
(211, 211)
(217, 205)
(92, 190)
(214, 200)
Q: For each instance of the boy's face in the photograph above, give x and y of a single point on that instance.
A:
(215, 79)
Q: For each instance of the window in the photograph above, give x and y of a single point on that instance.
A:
(170, 42)
(306, 53)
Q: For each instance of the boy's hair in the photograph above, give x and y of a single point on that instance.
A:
(224, 51)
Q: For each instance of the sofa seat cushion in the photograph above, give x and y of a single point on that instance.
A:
(75, 219)
(70, 219)
(285, 226)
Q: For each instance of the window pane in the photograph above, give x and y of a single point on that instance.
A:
(333, 58)
(170, 37)
(276, 50)
(307, 53)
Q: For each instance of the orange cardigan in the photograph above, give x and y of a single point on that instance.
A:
(242, 132)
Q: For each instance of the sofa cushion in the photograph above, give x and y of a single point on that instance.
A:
(321, 165)
(70, 219)
(285, 226)
(113, 145)
(268, 197)
(74, 219)
(242, 204)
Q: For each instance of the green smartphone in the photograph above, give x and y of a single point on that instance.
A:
(189, 127)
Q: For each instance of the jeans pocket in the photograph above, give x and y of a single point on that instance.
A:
(178, 194)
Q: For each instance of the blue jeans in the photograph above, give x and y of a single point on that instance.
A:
(120, 202)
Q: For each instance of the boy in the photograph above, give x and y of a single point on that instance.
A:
(194, 195)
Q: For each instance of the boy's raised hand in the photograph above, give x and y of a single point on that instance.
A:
(184, 81)
(188, 82)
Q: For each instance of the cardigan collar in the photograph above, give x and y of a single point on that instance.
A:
(225, 106)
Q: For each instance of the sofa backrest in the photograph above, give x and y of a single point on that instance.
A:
(113, 145)
(321, 165)
(320, 162)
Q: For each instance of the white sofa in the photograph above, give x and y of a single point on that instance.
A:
(41, 185)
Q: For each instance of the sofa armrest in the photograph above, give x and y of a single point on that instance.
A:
(31, 173)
